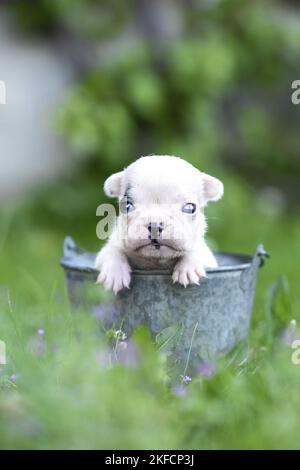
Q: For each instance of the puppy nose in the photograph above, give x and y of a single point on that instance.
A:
(155, 230)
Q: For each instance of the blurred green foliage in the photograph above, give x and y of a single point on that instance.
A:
(217, 93)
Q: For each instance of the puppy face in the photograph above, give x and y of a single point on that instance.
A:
(161, 205)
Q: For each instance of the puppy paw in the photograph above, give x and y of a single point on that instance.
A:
(188, 272)
(114, 275)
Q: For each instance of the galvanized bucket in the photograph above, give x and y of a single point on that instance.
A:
(199, 322)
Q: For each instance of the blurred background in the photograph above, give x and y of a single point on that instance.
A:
(93, 84)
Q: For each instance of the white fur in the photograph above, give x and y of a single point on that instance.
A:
(159, 186)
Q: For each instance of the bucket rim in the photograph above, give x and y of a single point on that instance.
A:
(246, 260)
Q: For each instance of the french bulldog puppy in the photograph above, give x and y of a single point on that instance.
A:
(161, 223)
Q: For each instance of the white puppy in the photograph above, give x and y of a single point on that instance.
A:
(161, 222)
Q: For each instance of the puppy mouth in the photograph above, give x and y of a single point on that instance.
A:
(157, 244)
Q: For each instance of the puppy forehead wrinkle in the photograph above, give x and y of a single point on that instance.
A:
(156, 192)
(158, 177)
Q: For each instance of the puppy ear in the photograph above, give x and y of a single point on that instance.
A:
(213, 189)
(113, 184)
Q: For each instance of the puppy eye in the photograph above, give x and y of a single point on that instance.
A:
(189, 208)
(129, 206)
(126, 205)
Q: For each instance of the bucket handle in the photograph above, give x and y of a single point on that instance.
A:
(249, 275)
(70, 248)
(260, 255)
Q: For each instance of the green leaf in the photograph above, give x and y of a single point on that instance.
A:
(167, 338)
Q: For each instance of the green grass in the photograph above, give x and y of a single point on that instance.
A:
(66, 396)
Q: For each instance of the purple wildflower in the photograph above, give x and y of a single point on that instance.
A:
(179, 389)
(13, 378)
(124, 352)
(186, 379)
(41, 331)
(207, 369)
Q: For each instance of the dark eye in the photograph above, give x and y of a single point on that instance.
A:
(126, 205)
(189, 208)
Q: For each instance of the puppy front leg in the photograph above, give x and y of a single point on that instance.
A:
(113, 267)
(188, 270)
(191, 267)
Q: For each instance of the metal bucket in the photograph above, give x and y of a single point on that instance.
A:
(199, 322)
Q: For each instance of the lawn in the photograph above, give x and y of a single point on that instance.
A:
(58, 390)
